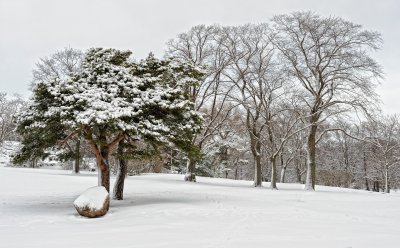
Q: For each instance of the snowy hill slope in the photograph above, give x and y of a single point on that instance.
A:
(36, 210)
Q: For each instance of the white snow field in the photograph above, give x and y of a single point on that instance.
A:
(36, 210)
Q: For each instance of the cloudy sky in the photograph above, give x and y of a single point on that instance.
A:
(31, 29)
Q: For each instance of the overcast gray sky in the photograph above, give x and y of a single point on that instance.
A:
(31, 29)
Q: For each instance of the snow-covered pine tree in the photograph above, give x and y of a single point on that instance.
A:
(106, 101)
(61, 65)
(169, 118)
(38, 131)
(167, 101)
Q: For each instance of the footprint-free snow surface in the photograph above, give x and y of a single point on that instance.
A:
(36, 210)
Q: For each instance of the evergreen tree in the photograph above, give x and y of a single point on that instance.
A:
(169, 115)
(111, 99)
(38, 132)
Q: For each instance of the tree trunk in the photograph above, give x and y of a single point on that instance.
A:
(236, 173)
(311, 164)
(283, 170)
(273, 172)
(102, 152)
(376, 187)
(257, 171)
(365, 171)
(298, 166)
(77, 157)
(387, 187)
(190, 170)
(103, 162)
(298, 175)
(105, 170)
(121, 174)
(283, 174)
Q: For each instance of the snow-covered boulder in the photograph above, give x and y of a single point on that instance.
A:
(94, 202)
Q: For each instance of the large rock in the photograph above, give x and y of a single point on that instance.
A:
(94, 202)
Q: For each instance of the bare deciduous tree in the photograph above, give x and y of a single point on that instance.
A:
(329, 59)
(257, 82)
(60, 65)
(200, 46)
(8, 107)
(384, 140)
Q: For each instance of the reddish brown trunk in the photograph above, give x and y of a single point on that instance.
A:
(105, 170)
(102, 165)
(102, 153)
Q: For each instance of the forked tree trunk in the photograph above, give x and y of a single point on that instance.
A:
(311, 164)
(190, 170)
(273, 172)
(121, 174)
(102, 153)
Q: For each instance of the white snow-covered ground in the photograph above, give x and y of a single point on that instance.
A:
(36, 210)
